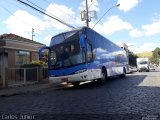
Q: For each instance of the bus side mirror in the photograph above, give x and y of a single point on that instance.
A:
(40, 51)
(82, 40)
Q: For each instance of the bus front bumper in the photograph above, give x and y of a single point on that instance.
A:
(88, 75)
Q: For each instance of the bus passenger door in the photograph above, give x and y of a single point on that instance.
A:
(111, 65)
(89, 54)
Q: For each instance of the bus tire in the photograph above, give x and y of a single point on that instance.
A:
(75, 84)
(124, 73)
(104, 76)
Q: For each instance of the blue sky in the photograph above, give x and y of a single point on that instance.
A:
(135, 22)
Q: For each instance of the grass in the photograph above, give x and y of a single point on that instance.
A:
(145, 54)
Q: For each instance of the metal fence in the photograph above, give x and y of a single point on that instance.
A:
(19, 76)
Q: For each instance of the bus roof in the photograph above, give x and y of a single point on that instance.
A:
(77, 29)
(87, 28)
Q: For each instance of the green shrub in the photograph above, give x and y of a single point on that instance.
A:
(35, 64)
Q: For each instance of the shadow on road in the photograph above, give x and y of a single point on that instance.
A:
(130, 80)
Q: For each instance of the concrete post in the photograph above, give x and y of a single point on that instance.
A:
(5, 82)
(24, 75)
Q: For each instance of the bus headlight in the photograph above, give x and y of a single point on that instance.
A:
(80, 71)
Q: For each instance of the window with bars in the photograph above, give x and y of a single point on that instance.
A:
(23, 57)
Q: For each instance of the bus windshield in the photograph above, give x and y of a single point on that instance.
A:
(67, 53)
(64, 37)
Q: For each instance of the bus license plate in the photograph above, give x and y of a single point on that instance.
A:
(64, 79)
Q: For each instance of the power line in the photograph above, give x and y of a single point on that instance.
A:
(105, 14)
(41, 8)
(13, 14)
(46, 14)
(86, 11)
(44, 10)
(7, 10)
(20, 18)
(35, 5)
(62, 11)
(46, 1)
(13, 4)
(49, 12)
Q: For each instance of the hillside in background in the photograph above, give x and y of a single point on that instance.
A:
(145, 54)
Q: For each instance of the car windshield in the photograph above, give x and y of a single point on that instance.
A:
(143, 62)
(66, 55)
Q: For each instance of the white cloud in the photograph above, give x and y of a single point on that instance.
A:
(112, 25)
(63, 12)
(136, 33)
(151, 29)
(146, 47)
(47, 39)
(80, 23)
(21, 23)
(127, 5)
(137, 48)
(147, 30)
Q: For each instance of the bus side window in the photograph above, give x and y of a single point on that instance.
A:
(89, 52)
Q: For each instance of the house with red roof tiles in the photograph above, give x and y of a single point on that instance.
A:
(16, 51)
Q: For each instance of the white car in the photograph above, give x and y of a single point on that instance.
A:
(132, 69)
(152, 68)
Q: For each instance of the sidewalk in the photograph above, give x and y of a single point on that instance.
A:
(22, 89)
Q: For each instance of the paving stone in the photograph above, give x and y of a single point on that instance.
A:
(118, 99)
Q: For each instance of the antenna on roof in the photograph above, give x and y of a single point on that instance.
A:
(32, 33)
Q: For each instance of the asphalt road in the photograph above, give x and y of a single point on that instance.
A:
(135, 97)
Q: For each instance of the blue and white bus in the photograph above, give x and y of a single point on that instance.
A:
(84, 55)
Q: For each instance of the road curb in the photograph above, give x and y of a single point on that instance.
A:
(22, 90)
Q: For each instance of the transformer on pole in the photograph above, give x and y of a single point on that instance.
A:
(85, 14)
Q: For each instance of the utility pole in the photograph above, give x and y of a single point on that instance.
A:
(87, 21)
(32, 33)
(84, 14)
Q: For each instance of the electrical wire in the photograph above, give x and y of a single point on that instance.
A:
(62, 11)
(13, 14)
(41, 8)
(105, 14)
(46, 14)
(20, 18)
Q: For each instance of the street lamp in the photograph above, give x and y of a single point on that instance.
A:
(106, 13)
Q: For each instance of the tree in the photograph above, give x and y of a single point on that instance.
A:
(156, 56)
